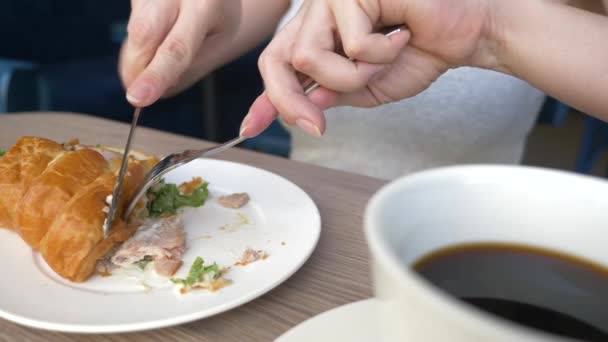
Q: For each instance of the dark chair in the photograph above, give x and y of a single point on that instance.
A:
(552, 112)
(594, 140)
(20, 87)
(594, 143)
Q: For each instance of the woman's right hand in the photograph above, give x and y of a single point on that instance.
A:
(165, 37)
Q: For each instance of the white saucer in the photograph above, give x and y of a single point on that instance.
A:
(351, 322)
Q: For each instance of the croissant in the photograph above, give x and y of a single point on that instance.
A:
(54, 196)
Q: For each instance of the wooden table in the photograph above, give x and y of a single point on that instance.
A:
(336, 274)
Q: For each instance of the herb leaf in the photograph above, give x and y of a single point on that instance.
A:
(2, 152)
(165, 199)
(198, 273)
(141, 264)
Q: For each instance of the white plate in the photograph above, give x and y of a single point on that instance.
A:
(280, 219)
(352, 322)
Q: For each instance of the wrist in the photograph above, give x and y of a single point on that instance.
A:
(507, 27)
(492, 46)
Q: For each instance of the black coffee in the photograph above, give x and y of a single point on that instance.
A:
(539, 288)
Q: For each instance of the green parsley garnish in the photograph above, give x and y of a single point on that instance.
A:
(2, 152)
(141, 264)
(98, 145)
(199, 273)
(165, 199)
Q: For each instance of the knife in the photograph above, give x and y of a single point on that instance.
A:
(107, 223)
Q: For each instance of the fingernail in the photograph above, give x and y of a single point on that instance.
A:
(138, 93)
(242, 131)
(308, 127)
(284, 122)
(244, 124)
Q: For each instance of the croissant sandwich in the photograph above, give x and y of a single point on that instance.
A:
(54, 195)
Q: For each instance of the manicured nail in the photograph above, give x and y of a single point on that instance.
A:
(285, 122)
(242, 131)
(244, 124)
(308, 127)
(138, 93)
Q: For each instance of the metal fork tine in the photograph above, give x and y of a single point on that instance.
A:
(172, 161)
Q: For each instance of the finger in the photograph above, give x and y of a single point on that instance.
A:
(202, 64)
(148, 26)
(282, 44)
(314, 54)
(262, 112)
(285, 92)
(173, 56)
(283, 87)
(335, 72)
(411, 73)
(356, 25)
(136, 4)
(207, 58)
(323, 98)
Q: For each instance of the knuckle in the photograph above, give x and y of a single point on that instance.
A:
(353, 49)
(278, 101)
(266, 62)
(262, 61)
(126, 77)
(139, 31)
(303, 60)
(377, 96)
(390, 53)
(351, 85)
(360, 80)
(155, 78)
(177, 50)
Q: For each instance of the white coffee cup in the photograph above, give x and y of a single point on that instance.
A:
(421, 213)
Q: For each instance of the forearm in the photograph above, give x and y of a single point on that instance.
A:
(558, 49)
(259, 21)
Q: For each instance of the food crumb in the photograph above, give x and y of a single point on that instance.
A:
(70, 144)
(234, 201)
(243, 218)
(250, 255)
(205, 237)
(283, 243)
(187, 188)
(104, 272)
(232, 227)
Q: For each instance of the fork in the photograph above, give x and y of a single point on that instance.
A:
(175, 160)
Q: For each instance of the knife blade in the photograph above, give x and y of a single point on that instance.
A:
(107, 223)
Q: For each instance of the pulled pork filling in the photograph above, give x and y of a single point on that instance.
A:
(159, 240)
